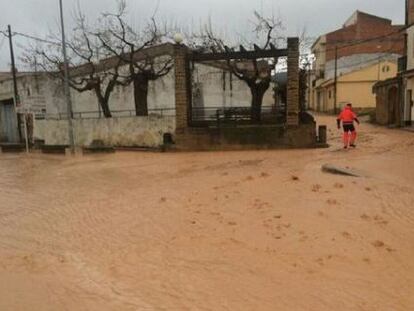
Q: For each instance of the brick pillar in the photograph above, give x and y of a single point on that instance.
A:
(182, 86)
(293, 82)
(410, 12)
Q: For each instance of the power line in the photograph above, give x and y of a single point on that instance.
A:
(37, 39)
(341, 46)
(15, 33)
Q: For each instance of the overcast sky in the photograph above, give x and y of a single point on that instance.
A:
(39, 17)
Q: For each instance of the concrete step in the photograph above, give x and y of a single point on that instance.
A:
(99, 149)
(12, 147)
(54, 149)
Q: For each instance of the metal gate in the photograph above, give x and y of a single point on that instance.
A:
(8, 122)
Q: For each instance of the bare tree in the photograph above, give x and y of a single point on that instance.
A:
(86, 72)
(255, 73)
(132, 48)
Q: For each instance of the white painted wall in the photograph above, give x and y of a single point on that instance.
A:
(211, 80)
(161, 95)
(124, 132)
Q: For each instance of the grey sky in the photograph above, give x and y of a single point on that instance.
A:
(38, 17)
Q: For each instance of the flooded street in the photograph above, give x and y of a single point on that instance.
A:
(255, 230)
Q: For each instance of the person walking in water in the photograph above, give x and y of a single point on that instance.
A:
(348, 117)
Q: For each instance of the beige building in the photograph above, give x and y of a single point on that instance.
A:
(355, 87)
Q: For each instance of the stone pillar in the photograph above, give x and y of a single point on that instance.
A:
(293, 82)
(182, 87)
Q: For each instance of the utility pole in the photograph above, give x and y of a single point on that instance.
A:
(66, 83)
(407, 8)
(310, 85)
(336, 81)
(16, 92)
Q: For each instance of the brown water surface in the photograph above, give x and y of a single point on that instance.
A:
(257, 230)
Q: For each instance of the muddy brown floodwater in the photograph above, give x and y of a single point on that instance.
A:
(257, 230)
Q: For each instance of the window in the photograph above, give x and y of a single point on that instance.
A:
(385, 68)
(330, 94)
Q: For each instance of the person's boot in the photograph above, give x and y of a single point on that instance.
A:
(345, 139)
(353, 139)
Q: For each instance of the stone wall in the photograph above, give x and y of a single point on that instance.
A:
(118, 132)
(387, 102)
(248, 137)
(381, 112)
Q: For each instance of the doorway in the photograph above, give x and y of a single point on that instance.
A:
(393, 106)
(409, 108)
(8, 122)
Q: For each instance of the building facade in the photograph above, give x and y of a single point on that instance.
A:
(407, 70)
(366, 49)
(394, 97)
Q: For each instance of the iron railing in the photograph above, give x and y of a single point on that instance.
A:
(205, 116)
(160, 112)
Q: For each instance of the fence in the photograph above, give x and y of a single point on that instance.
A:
(161, 112)
(237, 115)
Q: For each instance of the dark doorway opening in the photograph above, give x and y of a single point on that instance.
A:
(9, 131)
(392, 105)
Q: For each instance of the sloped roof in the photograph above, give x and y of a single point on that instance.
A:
(353, 19)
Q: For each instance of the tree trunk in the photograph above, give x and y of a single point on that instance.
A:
(103, 101)
(141, 95)
(105, 108)
(257, 91)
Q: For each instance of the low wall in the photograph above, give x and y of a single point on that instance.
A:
(247, 137)
(117, 132)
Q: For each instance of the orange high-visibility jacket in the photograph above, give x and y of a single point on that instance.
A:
(347, 116)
